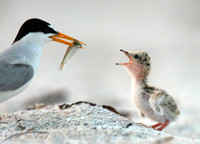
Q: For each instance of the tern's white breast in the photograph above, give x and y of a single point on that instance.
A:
(9, 94)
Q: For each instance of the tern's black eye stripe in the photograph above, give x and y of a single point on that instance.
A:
(34, 25)
(46, 29)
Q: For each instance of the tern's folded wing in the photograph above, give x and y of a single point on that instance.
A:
(14, 76)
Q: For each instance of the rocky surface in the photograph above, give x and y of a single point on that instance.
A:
(79, 123)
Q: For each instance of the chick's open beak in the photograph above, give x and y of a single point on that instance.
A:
(61, 38)
(128, 55)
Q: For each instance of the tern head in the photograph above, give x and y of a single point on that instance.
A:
(139, 64)
(40, 32)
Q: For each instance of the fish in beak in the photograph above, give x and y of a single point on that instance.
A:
(74, 46)
(69, 53)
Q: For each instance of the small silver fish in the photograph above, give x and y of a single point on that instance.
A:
(71, 50)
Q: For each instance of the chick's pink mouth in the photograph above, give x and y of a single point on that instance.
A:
(127, 54)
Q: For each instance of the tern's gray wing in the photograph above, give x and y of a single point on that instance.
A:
(14, 76)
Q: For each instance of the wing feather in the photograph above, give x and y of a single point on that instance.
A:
(14, 76)
(163, 104)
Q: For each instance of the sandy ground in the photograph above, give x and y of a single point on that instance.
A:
(80, 123)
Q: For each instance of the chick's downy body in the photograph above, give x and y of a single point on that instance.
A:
(152, 102)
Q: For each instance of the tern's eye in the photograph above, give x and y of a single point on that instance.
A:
(136, 56)
(47, 29)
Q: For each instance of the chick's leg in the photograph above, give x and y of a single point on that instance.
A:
(164, 125)
(156, 125)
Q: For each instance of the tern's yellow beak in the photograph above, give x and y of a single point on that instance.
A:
(61, 38)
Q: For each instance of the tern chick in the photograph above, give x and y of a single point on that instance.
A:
(152, 102)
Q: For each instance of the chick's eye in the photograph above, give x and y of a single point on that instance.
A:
(136, 56)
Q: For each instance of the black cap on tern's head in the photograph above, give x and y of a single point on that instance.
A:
(35, 25)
